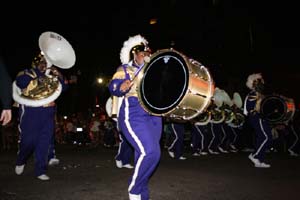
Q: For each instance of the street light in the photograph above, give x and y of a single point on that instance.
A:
(100, 80)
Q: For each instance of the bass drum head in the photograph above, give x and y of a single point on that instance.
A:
(273, 109)
(164, 82)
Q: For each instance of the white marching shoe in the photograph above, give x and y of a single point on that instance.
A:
(222, 150)
(213, 152)
(258, 163)
(196, 154)
(254, 160)
(262, 165)
(292, 153)
(128, 166)
(182, 158)
(19, 169)
(171, 154)
(135, 197)
(119, 164)
(53, 161)
(43, 177)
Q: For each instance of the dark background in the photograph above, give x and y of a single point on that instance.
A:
(231, 38)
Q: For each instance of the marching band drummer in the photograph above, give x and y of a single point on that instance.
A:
(141, 129)
(263, 134)
(36, 124)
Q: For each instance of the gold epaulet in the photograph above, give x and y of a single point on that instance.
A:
(20, 73)
(31, 73)
(120, 74)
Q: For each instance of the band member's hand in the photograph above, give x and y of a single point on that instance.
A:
(125, 86)
(5, 116)
(55, 72)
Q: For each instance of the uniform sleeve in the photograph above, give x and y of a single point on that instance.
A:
(64, 83)
(24, 77)
(118, 78)
(5, 87)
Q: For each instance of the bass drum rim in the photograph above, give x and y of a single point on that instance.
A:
(286, 113)
(189, 93)
(154, 109)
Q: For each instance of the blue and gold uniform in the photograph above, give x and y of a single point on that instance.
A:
(141, 129)
(263, 134)
(36, 124)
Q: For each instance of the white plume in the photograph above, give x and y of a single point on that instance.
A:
(128, 45)
(251, 79)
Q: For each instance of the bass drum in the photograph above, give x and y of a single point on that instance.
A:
(277, 109)
(174, 86)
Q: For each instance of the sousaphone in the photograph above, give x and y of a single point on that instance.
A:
(227, 107)
(58, 52)
(238, 116)
(217, 113)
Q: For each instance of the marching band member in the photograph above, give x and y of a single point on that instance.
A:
(217, 118)
(199, 136)
(235, 125)
(263, 134)
(223, 145)
(215, 130)
(141, 129)
(176, 148)
(286, 132)
(228, 107)
(234, 134)
(214, 139)
(36, 124)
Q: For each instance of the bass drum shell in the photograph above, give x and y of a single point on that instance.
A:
(174, 86)
(277, 109)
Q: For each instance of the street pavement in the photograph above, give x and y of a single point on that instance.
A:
(86, 173)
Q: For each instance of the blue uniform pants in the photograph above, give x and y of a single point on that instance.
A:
(263, 136)
(198, 138)
(36, 129)
(177, 145)
(143, 131)
(216, 131)
(125, 151)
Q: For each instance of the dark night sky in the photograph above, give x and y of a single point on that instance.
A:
(231, 38)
